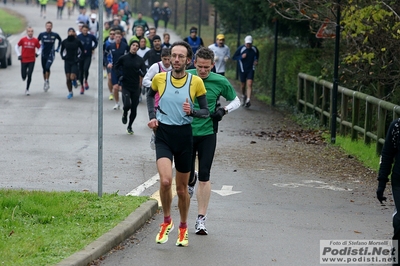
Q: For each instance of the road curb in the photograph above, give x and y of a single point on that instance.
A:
(112, 238)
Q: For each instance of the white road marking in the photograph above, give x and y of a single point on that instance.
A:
(313, 184)
(140, 189)
(226, 191)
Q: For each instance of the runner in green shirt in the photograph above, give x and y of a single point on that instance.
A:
(205, 130)
(43, 4)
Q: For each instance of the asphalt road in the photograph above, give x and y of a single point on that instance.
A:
(277, 216)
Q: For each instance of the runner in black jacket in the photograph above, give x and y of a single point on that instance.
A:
(131, 68)
(154, 55)
(390, 165)
(71, 49)
(89, 43)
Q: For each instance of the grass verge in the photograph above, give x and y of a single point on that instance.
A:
(42, 228)
(11, 22)
(366, 154)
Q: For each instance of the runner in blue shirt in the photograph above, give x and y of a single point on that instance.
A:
(194, 41)
(247, 55)
(114, 51)
(47, 40)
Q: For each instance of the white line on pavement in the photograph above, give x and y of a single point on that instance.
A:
(139, 190)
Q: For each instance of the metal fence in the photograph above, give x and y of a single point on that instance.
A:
(359, 114)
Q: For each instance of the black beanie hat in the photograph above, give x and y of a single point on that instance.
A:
(134, 41)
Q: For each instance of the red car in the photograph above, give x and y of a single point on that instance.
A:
(5, 50)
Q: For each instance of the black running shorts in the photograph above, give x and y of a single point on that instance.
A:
(175, 143)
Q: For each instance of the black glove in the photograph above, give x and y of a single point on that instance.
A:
(217, 115)
(121, 78)
(36, 55)
(19, 57)
(380, 190)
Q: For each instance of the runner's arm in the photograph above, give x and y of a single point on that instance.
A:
(94, 39)
(149, 76)
(237, 55)
(62, 51)
(59, 42)
(38, 50)
(118, 66)
(142, 70)
(150, 103)
(17, 51)
(203, 112)
(109, 55)
(233, 105)
(389, 151)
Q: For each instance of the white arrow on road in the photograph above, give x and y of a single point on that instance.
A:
(226, 191)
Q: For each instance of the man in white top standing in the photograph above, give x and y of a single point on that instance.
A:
(221, 54)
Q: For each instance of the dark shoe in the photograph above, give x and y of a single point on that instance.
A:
(124, 119)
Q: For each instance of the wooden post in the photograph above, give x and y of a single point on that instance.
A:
(355, 117)
(368, 122)
(381, 128)
(344, 113)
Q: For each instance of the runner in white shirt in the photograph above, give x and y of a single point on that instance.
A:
(221, 54)
(143, 49)
(93, 25)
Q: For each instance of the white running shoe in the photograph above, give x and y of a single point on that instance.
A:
(46, 86)
(116, 106)
(200, 226)
(27, 93)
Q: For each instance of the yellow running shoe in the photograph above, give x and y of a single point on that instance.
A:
(111, 97)
(162, 235)
(183, 240)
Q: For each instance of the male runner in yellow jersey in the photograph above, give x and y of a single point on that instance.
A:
(174, 143)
